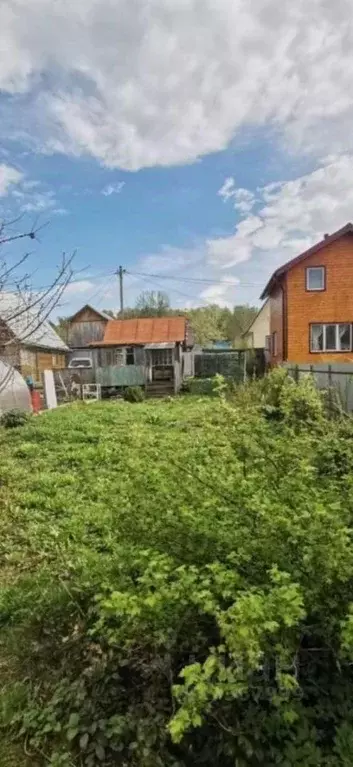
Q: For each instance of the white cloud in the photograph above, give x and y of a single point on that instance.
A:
(221, 293)
(113, 188)
(160, 82)
(27, 195)
(227, 189)
(244, 200)
(291, 215)
(38, 202)
(9, 176)
(77, 287)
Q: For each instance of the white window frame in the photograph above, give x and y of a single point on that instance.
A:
(324, 349)
(307, 279)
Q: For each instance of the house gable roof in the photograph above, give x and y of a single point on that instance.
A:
(327, 240)
(25, 324)
(88, 307)
(146, 330)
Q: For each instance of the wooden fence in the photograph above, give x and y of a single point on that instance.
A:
(337, 378)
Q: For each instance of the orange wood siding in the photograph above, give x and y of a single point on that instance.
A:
(50, 361)
(277, 321)
(334, 304)
(33, 362)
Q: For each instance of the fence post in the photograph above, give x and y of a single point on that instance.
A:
(244, 368)
(330, 390)
(296, 374)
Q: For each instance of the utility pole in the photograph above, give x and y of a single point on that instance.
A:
(120, 274)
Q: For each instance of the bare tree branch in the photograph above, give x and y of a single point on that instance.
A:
(24, 309)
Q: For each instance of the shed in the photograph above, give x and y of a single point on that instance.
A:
(86, 327)
(27, 340)
(14, 392)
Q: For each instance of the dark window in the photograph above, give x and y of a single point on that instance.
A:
(130, 355)
(315, 278)
(330, 340)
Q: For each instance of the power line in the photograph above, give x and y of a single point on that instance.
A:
(185, 295)
(196, 279)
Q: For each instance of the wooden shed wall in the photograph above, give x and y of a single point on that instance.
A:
(86, 328)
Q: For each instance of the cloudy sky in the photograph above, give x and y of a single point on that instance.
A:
(199, 143)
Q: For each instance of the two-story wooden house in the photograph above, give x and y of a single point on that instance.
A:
(311, 303)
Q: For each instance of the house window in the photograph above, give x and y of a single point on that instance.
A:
(130, 355)
(267, 343)
(107, 357)
(55, 360)
(119, 357)
(162, 357)
(315, 278)
(331, 337)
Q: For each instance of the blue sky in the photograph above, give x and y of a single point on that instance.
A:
(194, 141)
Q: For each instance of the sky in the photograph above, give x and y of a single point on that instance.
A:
(198, 143)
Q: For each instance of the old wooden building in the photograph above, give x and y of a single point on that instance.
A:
(27, 341)
(86, 327)
(154, 352)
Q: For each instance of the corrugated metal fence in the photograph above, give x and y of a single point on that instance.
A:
(338, 377)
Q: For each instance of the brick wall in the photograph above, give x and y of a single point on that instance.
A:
(335, 304)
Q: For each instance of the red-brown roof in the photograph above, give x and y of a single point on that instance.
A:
(149, 330)
(328, 239)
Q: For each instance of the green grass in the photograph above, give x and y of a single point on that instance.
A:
(78, 483)
(176, 584)
(87, 476)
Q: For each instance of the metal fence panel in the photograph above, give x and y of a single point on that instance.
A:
(229, 364)
(338, 376)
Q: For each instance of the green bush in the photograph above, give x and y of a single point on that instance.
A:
(177, 584)
(134, 394)
(294, 402)
(13, 418)
(301, 402)
(214, 386)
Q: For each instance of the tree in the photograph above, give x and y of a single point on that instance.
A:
(241, 318)
(152, 303)
(209, 323)
(28, 307)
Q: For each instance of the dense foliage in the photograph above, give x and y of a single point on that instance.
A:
(177, 583)
(134, 394)
(12, 418)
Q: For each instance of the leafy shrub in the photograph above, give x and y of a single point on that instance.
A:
(177, 585)
(214, 386)
(134, 394)
(13, 418)
(295, 402)
(273, 384)
(301, 402)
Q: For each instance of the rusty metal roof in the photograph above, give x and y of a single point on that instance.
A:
(147, 330)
